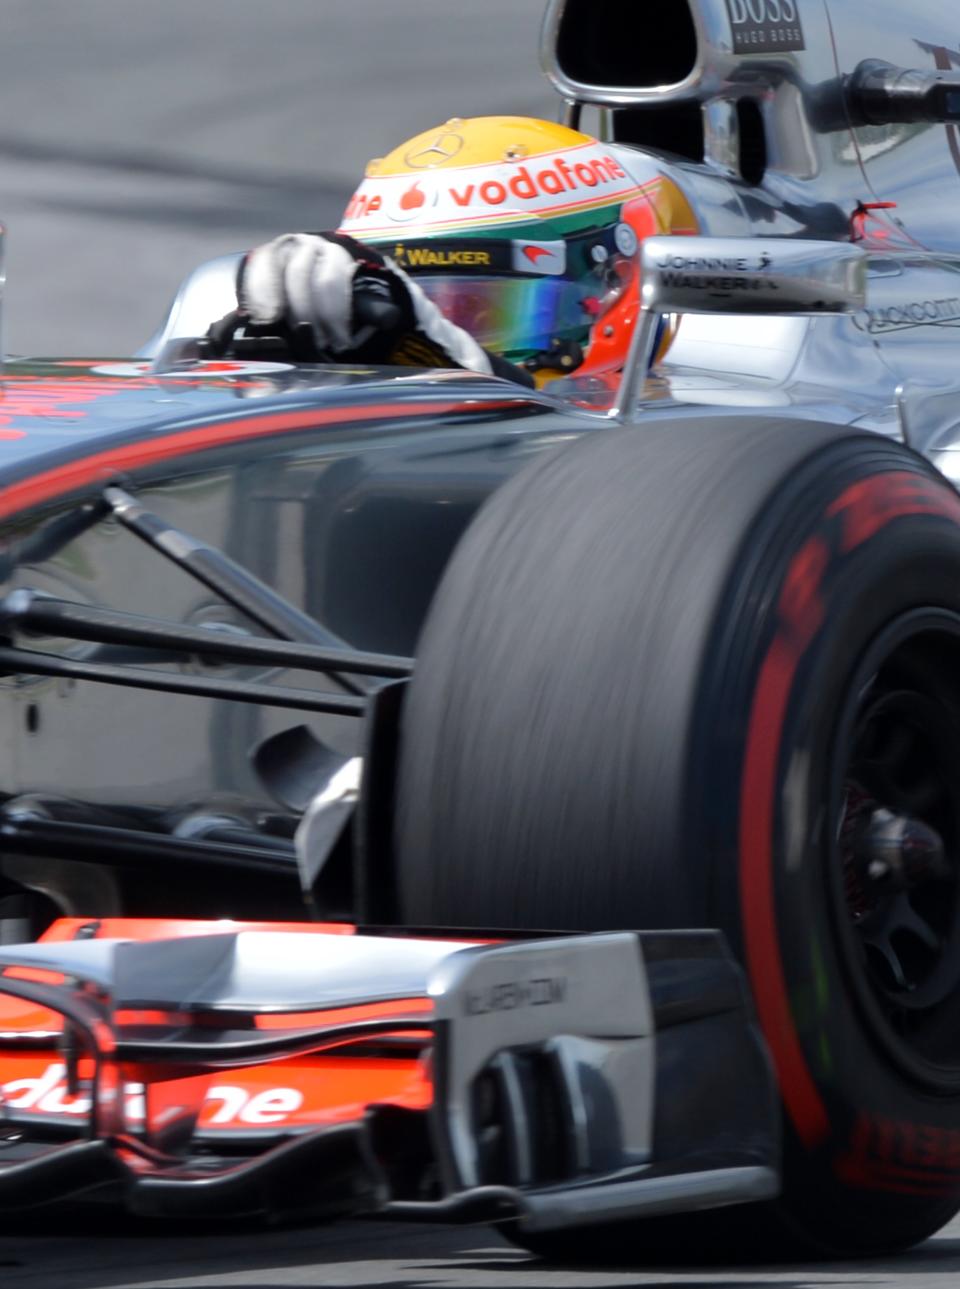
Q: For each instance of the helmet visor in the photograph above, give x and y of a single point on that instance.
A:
(510, 315)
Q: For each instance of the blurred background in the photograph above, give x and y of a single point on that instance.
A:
(139, 137)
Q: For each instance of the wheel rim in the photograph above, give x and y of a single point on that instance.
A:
(895, 779)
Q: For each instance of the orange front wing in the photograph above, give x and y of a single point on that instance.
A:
(198, 1069)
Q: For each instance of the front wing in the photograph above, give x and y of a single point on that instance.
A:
(545, 1081)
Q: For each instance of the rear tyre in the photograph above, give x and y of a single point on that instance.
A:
(710, 675)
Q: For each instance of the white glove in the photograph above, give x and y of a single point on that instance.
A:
(309, 278)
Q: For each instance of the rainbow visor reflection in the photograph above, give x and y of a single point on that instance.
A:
(509, 315)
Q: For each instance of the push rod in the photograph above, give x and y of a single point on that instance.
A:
(27, 611)
(231, 581)
(27, 662)
(133, 847)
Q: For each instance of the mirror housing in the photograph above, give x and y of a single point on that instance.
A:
(731, 275)
(765, 275)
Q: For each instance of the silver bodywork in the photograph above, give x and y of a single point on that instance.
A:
(836, 299)
(889, 366)
(835, 200)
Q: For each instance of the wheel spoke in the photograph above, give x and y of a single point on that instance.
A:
(886, 950)
(898, 845)
(887, 930)
(910, 922)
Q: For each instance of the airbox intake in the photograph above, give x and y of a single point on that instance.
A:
(613, 44)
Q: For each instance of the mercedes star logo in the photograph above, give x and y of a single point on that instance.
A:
(443, 147)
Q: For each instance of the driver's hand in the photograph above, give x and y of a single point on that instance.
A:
(335, 298)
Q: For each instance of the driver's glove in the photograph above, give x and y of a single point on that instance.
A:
(335, 299)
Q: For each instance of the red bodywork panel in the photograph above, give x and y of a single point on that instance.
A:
(299, 1093)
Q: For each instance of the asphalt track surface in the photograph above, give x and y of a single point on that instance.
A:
(138, 137)
(403, 1257)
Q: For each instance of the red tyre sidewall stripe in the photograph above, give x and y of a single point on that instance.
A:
(758, 894)
(862, 511)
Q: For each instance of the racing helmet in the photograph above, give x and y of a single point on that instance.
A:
(523, 232)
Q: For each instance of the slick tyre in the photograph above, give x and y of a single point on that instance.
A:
(709, 674)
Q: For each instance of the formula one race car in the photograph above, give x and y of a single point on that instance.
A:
(687, 656)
